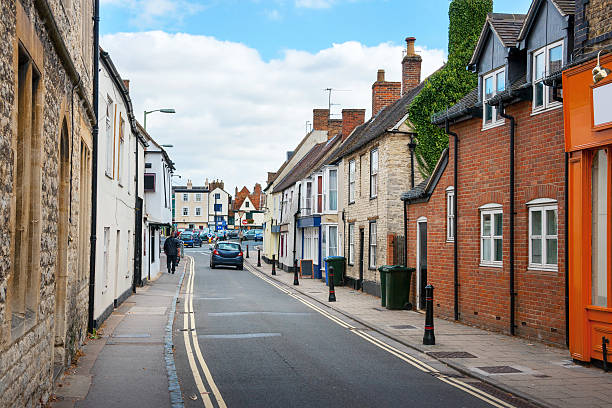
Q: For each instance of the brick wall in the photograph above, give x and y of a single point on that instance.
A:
(384, 93)
(351, 118)
(320, 119)
(484, 178)
(593, 25)
(335, 127)
(411, 67)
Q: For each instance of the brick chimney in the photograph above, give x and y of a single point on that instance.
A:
(351, 118)
(335, 127)
(384, 93)
(126, 82)
(320, 119)
(411, 67)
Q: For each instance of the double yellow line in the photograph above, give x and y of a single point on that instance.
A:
(420, 365)
(190, 327)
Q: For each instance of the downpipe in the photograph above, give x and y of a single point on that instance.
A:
(456, 215)
(504, 115)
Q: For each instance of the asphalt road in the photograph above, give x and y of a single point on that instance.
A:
(259, 346)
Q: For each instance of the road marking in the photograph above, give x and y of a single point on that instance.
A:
(239, 336)
(224, 314)
(189, 312)
(420, 365)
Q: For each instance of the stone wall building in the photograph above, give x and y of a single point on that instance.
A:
(46, 117)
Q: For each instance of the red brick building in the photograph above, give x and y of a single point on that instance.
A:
(487, 229)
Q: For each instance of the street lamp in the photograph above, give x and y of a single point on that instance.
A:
(156, 110)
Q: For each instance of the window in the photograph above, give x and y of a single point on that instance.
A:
(372, 255)
(148, 165)
(121, 152)
(185, 211)
(351, 181)
(319, 194)
(545, 61)
(324, 242)
(491, 227)
(493, 83)
(217, 196)
(218, 207)
(333, 190)
(374, 173)
(247, 204)
(198, 211)
(450, 214)
(185, 197)
(308, 199)
(109, 136)
(198, 197)
(351, 237)
(599, 230)
(333, 241)
(149, 182)
(543, 236)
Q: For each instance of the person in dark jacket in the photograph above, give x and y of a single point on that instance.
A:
(171, 250)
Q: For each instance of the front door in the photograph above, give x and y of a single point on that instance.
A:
(421, 262)
(361, 238)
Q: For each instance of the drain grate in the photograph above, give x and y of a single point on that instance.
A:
(403, 327)
(500, 370)
(451, 354)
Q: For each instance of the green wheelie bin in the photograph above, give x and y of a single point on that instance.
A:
(397, 286)
(338, 263)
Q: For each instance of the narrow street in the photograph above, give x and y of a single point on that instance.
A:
(262, 346)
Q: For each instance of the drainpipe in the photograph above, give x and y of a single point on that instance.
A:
(504, 115)
(94, 167)
(412, 145)
(405, 234)
(295, 219)
(456, 237)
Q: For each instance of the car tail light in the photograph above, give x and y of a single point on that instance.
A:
(215, 252)
(240, 253)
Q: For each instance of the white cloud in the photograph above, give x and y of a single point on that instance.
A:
(273, 15)
(315, 4)
(237, 115)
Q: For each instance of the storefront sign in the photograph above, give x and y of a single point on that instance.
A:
(602, 105)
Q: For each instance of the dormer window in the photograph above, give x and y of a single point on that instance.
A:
(546, 60)
(493, 83)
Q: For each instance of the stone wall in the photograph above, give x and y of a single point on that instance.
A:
(27, 358)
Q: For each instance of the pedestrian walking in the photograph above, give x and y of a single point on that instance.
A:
(171, 248)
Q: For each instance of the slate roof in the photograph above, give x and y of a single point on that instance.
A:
(507, 28)
(377, 125)
(565, 7)
(308, 163)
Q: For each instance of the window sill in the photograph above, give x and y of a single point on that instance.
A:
(351, 202)
(551, 107)
(371, 268)
(373, 198)
(491, 265)
(493, 125)
(450, 240)
(541, 268)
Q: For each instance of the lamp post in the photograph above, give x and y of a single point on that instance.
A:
(156, 110)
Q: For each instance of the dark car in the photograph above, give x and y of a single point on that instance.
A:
(232, 234)
(249, 235)
(226, 253)
(191, 239)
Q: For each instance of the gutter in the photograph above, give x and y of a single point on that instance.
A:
(455, 216)
(60, 46)
(503, 114)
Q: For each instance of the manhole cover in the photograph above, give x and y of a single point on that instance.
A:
(500, 370)
(452, 354)
(403, 327)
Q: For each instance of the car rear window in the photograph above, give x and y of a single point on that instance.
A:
(229, 247)
(186, 236)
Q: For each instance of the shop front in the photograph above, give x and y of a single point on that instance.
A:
(587, 100)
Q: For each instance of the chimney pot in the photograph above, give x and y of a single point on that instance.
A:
(411, 67)
(380, 76)
(126, 83)
(410, 46)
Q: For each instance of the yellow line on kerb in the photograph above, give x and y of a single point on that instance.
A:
(420, 365)
(188, 308)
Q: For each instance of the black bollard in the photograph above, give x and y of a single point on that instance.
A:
(259, 257)
(429, 337)
(247, 252)
(295, 273)
(330, 278)
(273, 264)
(604, 350)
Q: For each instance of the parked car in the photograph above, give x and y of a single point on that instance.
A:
(248, 235)
(258, 235)
(204, 236)
(222, 234)
(191, 239)
(226, 253)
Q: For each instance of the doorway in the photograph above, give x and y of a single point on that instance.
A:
(421, 261)
(361, 238)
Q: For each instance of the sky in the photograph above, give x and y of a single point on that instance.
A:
(244, 75)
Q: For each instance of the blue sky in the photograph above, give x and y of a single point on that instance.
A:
(271, 26)
(244, 75)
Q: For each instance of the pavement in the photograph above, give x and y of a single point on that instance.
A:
(130, 361)
(541, 374)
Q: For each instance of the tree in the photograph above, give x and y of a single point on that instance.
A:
(452, 82)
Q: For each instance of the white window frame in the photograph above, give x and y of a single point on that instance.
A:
(351, 237)
(372, 245)
(543, 205)
(329, 235)
(198, 197)
(307, 197)
(494, 121)
(330, 190)
(185, 212)
(321, 195)
(450, 214)
(546, 102)
(121, 150)
(185, 197)
(352, 165)
(374, 173)
(491, 210)
(198, 211)
(110, 144)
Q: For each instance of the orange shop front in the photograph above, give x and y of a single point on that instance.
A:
(588, 141)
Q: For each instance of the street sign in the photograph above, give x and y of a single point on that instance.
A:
(209, 235)
(244, 222)
(219, 227)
